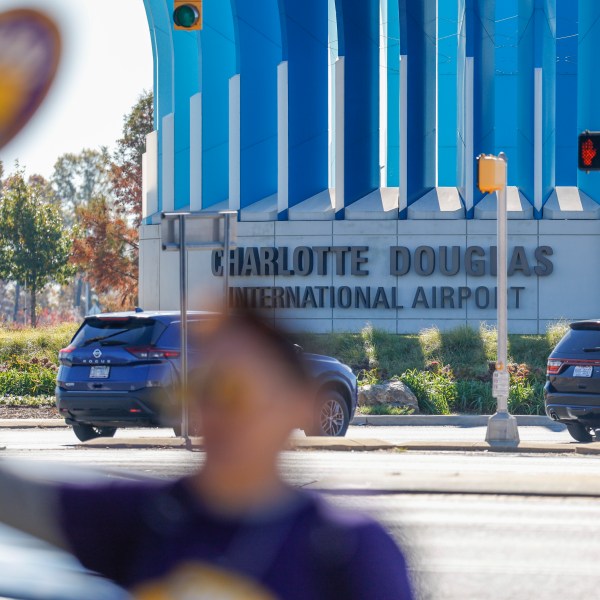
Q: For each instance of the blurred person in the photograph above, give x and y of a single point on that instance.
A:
(234, 529)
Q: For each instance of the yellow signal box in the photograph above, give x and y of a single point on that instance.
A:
(187, 15)
(491, 173)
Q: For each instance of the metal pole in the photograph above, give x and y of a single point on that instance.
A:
(184, 327)
(502, 285)
(502, 427)
(226, 256)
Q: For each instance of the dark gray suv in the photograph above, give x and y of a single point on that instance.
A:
(572, 391)
(122, 370)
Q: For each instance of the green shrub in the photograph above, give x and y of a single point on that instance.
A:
(436, 392)
(38, 382)
(368, 377)
(555, 332)
(474, 397)
(29, 359)
(526, 398)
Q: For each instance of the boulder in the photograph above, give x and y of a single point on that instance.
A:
(389, 393)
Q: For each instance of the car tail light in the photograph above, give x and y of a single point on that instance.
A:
(554, 366)
(64, 354)
(149, 352)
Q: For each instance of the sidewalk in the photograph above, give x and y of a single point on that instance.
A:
(447, 420)
(362, 445)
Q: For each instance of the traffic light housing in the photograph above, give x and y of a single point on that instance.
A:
(187, 15)
(491, 173)
(588, 151)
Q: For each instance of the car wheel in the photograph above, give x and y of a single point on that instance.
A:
(91, 432)
(579, 432)
(332, 418)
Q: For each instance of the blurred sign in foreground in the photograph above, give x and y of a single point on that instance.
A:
(30, 48)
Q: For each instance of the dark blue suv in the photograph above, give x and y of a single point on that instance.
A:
(122, 370)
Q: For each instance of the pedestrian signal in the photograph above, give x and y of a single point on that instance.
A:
(589, 151)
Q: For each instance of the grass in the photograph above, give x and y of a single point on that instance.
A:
(466, 351)
(29, 361)
(449, 371)
(41, 343)
(384, 410)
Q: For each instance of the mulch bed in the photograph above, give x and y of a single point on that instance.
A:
(28, 412)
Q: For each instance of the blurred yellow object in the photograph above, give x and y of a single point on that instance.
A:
(13, 89)
(202, 582)
(492, 173)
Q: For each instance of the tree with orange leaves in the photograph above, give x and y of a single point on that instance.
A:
(106, 244)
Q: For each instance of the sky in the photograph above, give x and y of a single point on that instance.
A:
(106, 64)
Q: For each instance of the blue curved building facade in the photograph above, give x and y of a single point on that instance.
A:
(363, 118)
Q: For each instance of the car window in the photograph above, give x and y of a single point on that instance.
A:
(170, 338)
(134, 332)
(577, 341)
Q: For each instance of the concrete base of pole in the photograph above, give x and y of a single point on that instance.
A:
(502, 429)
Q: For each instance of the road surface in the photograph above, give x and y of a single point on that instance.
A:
(490, 543)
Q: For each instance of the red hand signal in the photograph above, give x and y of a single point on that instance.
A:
(588, 152)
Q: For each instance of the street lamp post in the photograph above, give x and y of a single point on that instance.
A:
(502, 426)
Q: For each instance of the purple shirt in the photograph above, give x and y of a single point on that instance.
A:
(152, 538)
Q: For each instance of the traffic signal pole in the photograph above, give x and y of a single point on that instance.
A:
(502, 317)
(502, 426)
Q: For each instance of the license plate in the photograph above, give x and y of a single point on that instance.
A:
(583, 371)
(99, 372)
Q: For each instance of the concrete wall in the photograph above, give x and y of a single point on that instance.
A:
(569, 292)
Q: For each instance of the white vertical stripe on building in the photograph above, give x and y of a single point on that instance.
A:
(283, 155)
(403, 195)
(333, 56)
(235, 143)
(383, 93)
(151, 175)
(196, 152)
(331, 120)
(538, 140)
(339, 134)
(168, 163)
(144, 186)
(469, 107)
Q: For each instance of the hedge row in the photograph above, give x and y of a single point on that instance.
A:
(449, 372)
(29, 361)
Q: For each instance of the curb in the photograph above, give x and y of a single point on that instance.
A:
(307, 443)
(522, 448)
(361, 445)
(360, 420)
(32, 423)
(450, 420)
